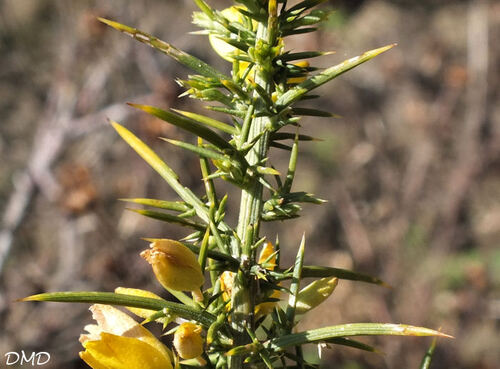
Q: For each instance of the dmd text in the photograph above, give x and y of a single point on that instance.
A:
(24, 358)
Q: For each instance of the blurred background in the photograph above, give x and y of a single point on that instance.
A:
(411, 171)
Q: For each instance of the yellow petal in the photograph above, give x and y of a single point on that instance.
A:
(265, 256)
(188, 341)
(266, 307)
(113, 321)
(226, 284)
(225, 50)
(174, 265)
(314, 294)
(117, 352)
(143, 313)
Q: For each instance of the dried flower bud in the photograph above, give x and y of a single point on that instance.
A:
(314, 294)
(174, 265)
(188, 341)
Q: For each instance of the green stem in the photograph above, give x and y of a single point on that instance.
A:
(250, 213)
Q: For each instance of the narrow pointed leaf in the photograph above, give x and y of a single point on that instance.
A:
(313, 271)
(163, 170)
(350, 330)
(304, 55)
(164, 217)
(205, 8)
(301, 89)
(111, 298)
(299, 31)
(187, 124)
(352, 343)
(427, 359)
(292, 165)
(278, 136)
(208, 121)
(200, 151)
(161, 204)
(306, 4)
(233, 112)
(295, 284)
(182, 57)
(314, 113)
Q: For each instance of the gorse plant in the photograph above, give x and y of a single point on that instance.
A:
(244, 305)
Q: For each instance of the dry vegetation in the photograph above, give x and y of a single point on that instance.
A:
(411, 171)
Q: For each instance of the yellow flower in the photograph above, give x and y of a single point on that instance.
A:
(314, 294)
(188, 341)
(143, 313)
(297, 80)
(267, 257)
(221, 47)
(175, 266)
(226, 284)
(225, 50)
(119, 342)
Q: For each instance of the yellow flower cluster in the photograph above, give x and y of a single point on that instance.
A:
(118, 342)
(228, 52)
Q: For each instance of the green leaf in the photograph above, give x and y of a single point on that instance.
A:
(427, 359)
(187, 124)
(303, 88)
(314, 113)
(200, 151)
(233, 112)
(322, 272)
(205, 8)
(299, 31)
(303, 55)
(295, 284)
(110, 298)
(164, 217)
(278, 136)
(161, 204)
(292, 165)
(306, 4)
(182, 57)
(208, 121)
(349, 330)
(352, 343)
(163, 170)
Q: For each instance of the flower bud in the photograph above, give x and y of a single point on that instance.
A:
(314, 294)
(174, 265)
(188, 341)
